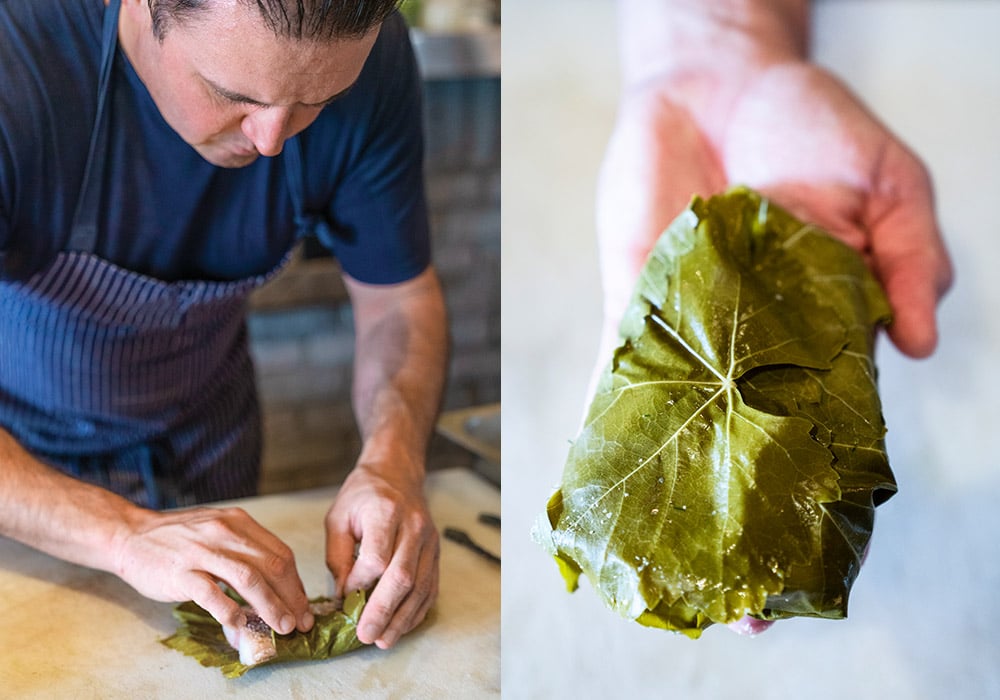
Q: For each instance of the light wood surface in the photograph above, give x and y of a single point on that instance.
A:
(71, 632)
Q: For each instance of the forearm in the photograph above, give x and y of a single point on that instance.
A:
(57, 514)
(400, 357)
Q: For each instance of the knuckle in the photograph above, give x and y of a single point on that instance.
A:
(197, 589)
(280, 565)
(402, 581)
(218, 527)
(421, 612)
(421, 522)
(389, 509)
(373, 562)
(230, 519)
(233, 512)
(425, 591)
(380, 612)
(245, 577)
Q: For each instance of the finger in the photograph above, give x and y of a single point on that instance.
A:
(913, 266)
(834, 208)
(413, 609)
(250, 583)
(340, 547)
(391, 590)
(281, 573)
(749, 626)
(205, 592)
(375, 550)
(259, 567)
(914, 327)
(915, 280)
(409, 573)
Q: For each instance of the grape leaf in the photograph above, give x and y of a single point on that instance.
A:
(733, 455)
(199, 635)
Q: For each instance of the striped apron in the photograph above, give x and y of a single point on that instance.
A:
(138, 385)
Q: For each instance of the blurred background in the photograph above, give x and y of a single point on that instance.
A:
(923, 621)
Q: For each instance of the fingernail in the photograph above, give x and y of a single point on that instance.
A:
(307, 621)
(370, 632)
(287, 624)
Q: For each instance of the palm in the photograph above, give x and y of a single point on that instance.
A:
(798, 135)
(801, 136)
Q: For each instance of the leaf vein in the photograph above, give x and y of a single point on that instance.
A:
(694, 353)
(642, 464)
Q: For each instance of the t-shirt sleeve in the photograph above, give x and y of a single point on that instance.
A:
(379, 211)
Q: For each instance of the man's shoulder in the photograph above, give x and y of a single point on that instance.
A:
(45, 19)
(392, 52)
(47, 47)
(388, 80)
(49, 52)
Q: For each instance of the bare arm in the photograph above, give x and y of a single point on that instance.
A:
(171, 557)
(56, 513)
(399, 367)
(401, 348)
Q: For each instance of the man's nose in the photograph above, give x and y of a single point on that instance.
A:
(268, 128)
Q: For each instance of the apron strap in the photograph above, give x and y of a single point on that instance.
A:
(306, 223)
(83, 234)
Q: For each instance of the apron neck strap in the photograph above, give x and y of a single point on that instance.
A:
(306, 223)
(83, 235)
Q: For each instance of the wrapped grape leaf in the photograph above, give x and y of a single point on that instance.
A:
(732, 456)
(201, 636)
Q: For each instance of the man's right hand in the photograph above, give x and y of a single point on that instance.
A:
(171, 557)
(184, 555)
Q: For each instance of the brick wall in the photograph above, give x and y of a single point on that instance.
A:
(301, 324)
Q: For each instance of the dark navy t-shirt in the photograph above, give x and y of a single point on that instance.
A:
(168, 213)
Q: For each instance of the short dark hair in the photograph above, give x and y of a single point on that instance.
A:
(296, 19)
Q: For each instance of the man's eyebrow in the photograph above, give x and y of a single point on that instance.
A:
(243, 99)
(333, 98)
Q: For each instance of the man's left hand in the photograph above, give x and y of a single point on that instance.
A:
(384, 519)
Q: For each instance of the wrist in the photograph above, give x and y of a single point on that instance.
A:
(392, 460)
(702, 53)
(710, 37)
(58, 514)
(131, 521)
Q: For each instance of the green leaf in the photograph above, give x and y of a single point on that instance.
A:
(733, 455)
(200, 636)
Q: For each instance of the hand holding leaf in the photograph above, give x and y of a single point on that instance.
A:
(733, 453)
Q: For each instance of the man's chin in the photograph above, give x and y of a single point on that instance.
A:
(226, 158)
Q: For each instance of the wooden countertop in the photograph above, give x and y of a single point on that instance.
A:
(74, 632)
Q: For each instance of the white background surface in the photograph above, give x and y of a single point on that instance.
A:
(924, 613)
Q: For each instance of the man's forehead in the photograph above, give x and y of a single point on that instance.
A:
(248, 64)
(317, 20)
